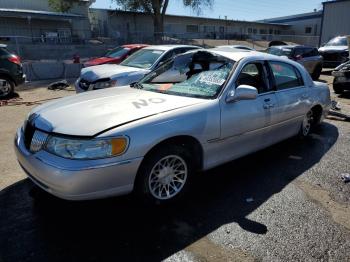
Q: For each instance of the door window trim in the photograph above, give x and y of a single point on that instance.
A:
(265, 76)
(296, 70)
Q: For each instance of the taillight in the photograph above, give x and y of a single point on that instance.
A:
(15, 59)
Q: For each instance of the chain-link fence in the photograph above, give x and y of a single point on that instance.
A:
(61, 46)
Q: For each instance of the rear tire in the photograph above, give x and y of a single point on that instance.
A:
(316, 73)
(307, 124)
(164, 175)
(7, 87)
(338, 89)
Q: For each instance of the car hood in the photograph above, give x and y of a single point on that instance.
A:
(102, 60)
(91, 113)
(333, 48)
(94, 73)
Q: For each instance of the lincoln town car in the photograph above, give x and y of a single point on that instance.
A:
(198, 110)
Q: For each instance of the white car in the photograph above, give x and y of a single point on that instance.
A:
(197, 111)
(130, 70)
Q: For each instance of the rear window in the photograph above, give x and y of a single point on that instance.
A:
(280, 51)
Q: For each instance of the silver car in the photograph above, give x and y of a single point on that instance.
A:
(307, 56)
(197, 111)
(130, 70)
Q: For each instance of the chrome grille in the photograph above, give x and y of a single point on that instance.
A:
(38, 141)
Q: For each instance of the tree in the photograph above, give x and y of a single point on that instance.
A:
(62, 5)
(157, 8)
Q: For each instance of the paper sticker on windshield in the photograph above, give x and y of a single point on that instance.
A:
(157, 52)
(214, 78)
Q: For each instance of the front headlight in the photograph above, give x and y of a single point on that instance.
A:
(104, 84)
(86, 149)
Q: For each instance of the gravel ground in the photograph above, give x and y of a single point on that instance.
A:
(299, 208)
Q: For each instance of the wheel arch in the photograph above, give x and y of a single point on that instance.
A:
(189, 142)
(317, 109)
(4, 74)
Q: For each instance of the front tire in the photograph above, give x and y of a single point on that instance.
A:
(165, 175)
(7, 87)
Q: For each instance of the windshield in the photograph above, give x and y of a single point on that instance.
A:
(280, 51)
(117, 52)
(200, 74)
(337, 41)
(144, 58)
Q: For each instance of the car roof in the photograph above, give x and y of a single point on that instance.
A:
(169, 47)
(134, 45)
(234, 46)
(291, 46)
(236, 56)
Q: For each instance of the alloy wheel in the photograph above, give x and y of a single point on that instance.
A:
(5, 87)
(168, 177)
(307, 123)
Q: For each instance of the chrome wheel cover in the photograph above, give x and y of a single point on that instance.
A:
(168, 177)
(307, 122)
(5, 87)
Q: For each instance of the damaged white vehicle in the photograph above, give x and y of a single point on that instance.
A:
(197, 111)
(130, 70)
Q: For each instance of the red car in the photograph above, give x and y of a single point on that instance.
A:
(116, 55)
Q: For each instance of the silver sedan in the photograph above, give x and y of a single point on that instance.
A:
(197, 111)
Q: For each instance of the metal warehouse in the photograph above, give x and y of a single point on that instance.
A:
(336, 19)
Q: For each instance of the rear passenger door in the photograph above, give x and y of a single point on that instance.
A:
(292, 96)
(309, 59)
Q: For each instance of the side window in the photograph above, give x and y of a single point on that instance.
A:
(253, 74)
(308, 52)
(167, 56)
(181, 50)
(286, 76)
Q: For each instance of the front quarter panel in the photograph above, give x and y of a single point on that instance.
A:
(200, 121)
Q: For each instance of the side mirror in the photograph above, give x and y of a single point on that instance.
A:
(242, 92)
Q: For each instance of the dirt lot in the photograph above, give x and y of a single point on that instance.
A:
(300, 208)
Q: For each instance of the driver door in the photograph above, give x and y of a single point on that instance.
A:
(245, 124)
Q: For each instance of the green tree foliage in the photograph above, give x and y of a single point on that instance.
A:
(62, 5)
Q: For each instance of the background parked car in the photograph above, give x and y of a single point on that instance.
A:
(116, 55)
(309, 57)
(130, 70)
(11, 72)
(341, 80)
(335, 52)
(243, 47)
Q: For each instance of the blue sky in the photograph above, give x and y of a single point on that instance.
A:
(248, 10)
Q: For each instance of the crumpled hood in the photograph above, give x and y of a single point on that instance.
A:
(93, 112)
(333, 48)
(94, 73)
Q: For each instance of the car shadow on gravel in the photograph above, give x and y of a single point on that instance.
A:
(119, 229)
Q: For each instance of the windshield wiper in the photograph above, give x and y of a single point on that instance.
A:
(136, 85)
